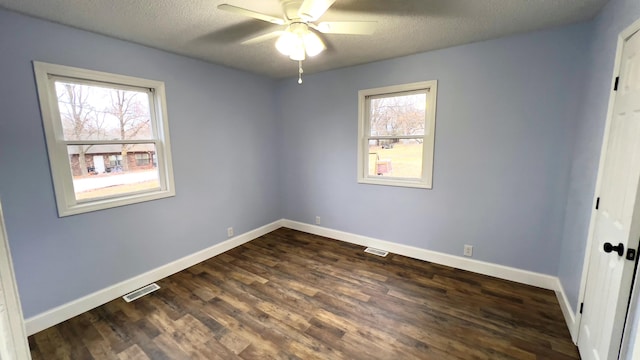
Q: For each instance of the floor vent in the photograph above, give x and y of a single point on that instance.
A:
(141, 292)
(376, 251)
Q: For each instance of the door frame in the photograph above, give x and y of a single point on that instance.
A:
(17, 333)
(623, 36)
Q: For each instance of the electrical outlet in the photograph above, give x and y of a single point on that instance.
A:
(468, 250)
(230, 232)
(317, 220)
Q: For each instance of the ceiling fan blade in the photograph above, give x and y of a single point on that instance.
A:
(263, 37)
(346, 27)
(251, 14)
(311, 10)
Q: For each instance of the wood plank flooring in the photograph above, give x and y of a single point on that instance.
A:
(292, 295)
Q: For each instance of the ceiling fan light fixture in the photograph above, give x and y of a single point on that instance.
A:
(300, 37)
(312, 43)
(298, 53)
(287, 42)
(298, 40)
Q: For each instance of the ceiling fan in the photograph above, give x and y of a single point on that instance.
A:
(298, 38)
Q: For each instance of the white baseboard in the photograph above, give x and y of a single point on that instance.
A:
(67, 311)
(503, 272)
(567, 311)
(64, 312)
(499, 271)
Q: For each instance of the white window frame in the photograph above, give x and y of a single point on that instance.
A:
(364, 135)
(45, 75)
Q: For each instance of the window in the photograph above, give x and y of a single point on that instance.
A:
(115, 160)
(142, 159)
(96, 124)
(396, 134)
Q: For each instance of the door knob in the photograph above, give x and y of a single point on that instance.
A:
(609, 248)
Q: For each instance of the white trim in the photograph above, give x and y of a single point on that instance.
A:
(630, 347)
(11, 300)
(45, 75)
(567, 311)
(67, 311)
(430, 88)
(481, 267)
(64, 312)
(499, 271)
(622, 37)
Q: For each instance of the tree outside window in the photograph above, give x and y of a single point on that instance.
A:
(396, 135)
(102, 132)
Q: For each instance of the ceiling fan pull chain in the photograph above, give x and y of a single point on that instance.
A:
(299, 71)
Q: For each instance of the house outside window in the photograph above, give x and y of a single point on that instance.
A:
(102, 130)
(115, 160)
(142, 159)
(396, 134)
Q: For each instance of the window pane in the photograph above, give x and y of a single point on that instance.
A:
(401, 159)
(109, 170)
(142, 159)
(115, 160)
(398, 115)
(93, 112)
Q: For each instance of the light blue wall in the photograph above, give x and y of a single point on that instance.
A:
(616, 16)
(518, 135)
(224, 138)
(505, 129)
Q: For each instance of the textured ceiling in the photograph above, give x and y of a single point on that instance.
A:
(196, 28)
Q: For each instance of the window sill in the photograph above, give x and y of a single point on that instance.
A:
(123, 200)
(396, 182)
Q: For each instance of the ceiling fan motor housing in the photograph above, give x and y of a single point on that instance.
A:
(290, 10)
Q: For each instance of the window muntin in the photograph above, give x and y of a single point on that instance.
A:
(396, 135)
(102, 130)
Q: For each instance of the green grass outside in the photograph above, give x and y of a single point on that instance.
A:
(406, 160)
(118, 190)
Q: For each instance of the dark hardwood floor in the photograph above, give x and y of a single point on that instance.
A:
(292, 295)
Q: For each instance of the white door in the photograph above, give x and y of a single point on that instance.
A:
(13, 338)
(610, 275)
(98, 164)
